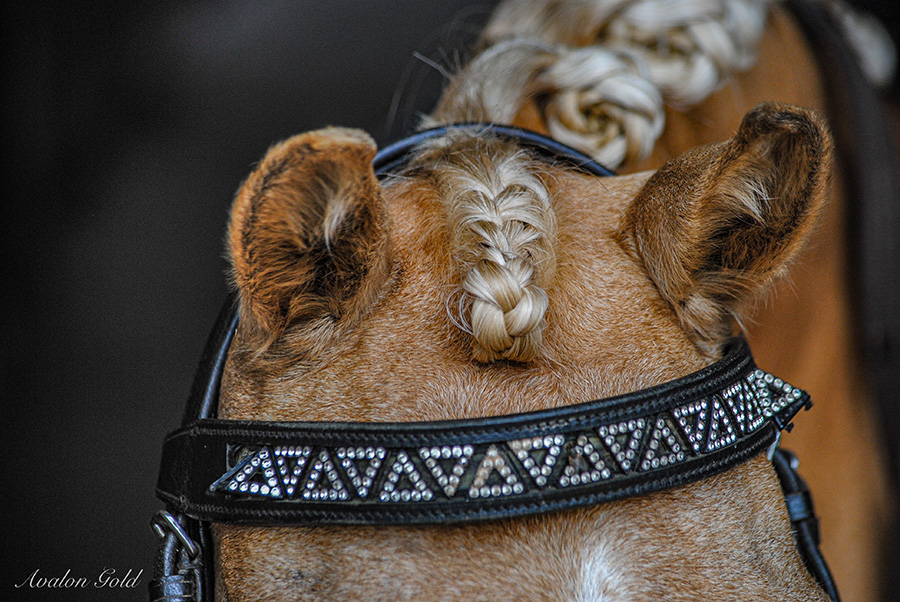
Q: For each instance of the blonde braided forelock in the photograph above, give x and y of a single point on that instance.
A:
(503, 231)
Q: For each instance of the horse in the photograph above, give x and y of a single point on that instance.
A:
(490, 280)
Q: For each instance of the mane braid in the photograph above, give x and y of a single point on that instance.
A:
(502, 235)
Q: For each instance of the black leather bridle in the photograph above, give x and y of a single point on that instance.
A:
(324, 473)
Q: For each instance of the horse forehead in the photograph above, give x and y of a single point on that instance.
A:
(597, 199)
(588, 212)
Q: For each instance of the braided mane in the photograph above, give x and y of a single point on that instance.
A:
(600, 73)
(503, 237)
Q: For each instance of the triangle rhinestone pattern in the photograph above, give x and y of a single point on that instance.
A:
(579, 456)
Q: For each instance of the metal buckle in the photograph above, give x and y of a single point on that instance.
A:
(164, 522)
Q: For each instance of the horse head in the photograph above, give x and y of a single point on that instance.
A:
(478, 280)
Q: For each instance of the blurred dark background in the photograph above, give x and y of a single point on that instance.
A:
(127, 128)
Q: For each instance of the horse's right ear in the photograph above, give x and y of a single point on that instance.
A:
(716, 225)
(308, 233)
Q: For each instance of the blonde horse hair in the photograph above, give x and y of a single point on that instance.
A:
(503, 240)
(602, 69)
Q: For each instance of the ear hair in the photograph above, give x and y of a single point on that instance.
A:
(717, 225)
(308, 232)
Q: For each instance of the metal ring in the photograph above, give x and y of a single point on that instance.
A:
(164, 521)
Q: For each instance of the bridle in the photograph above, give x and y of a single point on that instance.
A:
(326, 473)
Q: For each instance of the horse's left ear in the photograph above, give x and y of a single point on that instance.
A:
(716, 225)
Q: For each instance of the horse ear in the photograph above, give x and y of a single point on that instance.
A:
(716, 225)
(308, 232)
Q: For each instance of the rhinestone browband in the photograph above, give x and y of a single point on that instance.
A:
(414, 473)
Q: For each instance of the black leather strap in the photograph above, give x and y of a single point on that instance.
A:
(181, 572)
(804, 523)
(403, 473)
(393, 157)
(203, 401)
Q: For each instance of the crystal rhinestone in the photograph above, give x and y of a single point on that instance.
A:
(403, 465)
(493, 461)
(537, 466)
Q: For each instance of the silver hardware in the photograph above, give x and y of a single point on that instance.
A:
(164, 522)
(770, 453)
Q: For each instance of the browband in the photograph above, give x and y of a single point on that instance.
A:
(475, 469)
